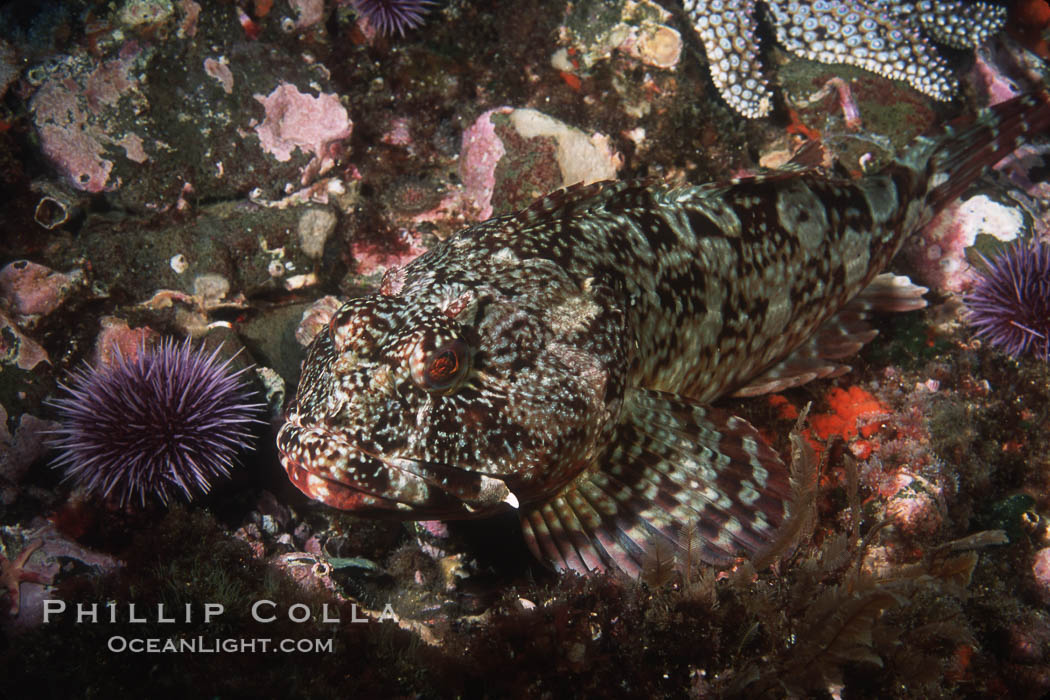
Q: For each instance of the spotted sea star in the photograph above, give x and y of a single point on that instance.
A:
(886, 37)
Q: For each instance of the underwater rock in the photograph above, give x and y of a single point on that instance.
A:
(942, 259)
(19, 450)
(216, 259)
(638, 29)
(31, 290)
(18, 349)
(1041, 575)
(512, 156)
(299, 121)
(46, 562)
(141, 120)
(116, 339)
(315, 226)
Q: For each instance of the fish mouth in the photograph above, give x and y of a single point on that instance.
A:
(328, 467)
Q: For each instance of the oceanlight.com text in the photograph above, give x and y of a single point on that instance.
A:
(230, 645)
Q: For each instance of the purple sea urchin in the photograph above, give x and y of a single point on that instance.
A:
(170, 420)
(1010, 306)
(388, 16)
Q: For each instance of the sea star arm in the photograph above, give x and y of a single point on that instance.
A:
(727, 31)
(888, 37)
(13, 574)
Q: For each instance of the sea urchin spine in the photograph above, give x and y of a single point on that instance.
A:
(1010, 305)
(388, 16)
(170, 420)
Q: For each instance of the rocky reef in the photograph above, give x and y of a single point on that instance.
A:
(225, 172)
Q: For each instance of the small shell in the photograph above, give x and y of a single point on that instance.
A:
(179, 263)
(659, 46)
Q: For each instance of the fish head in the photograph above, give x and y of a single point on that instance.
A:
(456, 401)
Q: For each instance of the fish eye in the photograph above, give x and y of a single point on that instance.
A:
(441, 368)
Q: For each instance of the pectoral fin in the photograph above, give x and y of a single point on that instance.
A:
(672, 467)
(841, 336)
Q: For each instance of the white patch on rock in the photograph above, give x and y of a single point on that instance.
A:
(582, 158)
(315, 226)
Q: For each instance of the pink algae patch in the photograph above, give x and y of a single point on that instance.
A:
(78, 155)
(72, 143)
(77, 122)
(310, 12)
(32, 289)
(116, 338)
(190, 11)
(481, 150)
(297, 120)
(218, 69)
(373, 259)
(1041, 574)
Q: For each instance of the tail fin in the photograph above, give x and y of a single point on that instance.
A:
(960, 155)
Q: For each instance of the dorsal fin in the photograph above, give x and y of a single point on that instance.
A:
(576, 199)
(809, 156)
(960, 153)
(568, 198)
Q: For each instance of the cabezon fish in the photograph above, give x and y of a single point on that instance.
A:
(562, 360)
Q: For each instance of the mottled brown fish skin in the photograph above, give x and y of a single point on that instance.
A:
(560, 360)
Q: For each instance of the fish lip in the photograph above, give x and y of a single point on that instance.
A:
(327, 433)
(351, 494)
(414, 486)
(334, 493)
